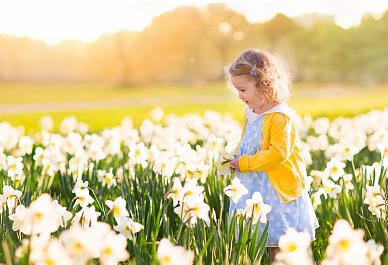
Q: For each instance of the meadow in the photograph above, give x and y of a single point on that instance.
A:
(153, 185)
(315, 99)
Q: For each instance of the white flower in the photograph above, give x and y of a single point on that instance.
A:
(197, 208)
(15, 166)
(168, 254)
(376, 201)
(138, 153)
(165, 165)
(378, 137)
(176, 192)
(294, 241)
(82, 198)
(321, 125)
(79, 244)
(36, 245)
(25, 146)
(182, 211)
(214, 144)
(19, 220)
(328, 187)
(64, 214)
(223, 163)
(96, 151)
(9, 198)
(46, 123)
(346, 150)
(127, 227)
(294, 248)
(191, 190)
(317, 143)
(236, 190)
(68, 125)
(118, 207)
(335, 169)
(199, 171)
(42, 215)
(107, 177)
(348, 184)
(113, 249)
(53, 254)
(87, 217)
(346, 246)
(374, 252)
(79, 184)
(256, 208)
(316, 199)
(157, 114)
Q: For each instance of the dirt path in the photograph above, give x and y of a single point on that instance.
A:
(116, 103)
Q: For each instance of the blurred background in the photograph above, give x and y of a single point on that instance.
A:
(101, 61)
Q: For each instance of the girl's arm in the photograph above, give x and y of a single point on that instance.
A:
(282, 139)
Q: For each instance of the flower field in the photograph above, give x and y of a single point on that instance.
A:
(160, 193)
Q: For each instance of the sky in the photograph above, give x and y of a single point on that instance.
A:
(55, 20)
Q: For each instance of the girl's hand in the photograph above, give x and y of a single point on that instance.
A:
(234, 165)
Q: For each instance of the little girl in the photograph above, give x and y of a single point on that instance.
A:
(268, 158)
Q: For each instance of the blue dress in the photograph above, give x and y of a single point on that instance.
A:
(298, 213)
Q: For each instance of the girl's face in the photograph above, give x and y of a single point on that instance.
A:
(249, 93)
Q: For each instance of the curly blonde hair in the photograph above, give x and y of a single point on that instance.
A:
(271, 76)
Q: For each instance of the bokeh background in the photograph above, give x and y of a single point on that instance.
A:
(101, 61)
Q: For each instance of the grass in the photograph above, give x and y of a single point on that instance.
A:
(317, 100)
(56, 92)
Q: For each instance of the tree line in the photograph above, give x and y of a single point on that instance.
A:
(192, 45)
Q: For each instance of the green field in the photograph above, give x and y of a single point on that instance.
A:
(317, 100)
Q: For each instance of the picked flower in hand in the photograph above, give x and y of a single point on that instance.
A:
(223, 163)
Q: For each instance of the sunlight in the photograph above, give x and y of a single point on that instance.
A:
(57, 20)
(54, 21)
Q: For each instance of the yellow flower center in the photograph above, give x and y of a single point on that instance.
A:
(291, 247)
(116, 211)
(78, 246)
(37, 217)
(108, 251)
(343, 245)
(50, 261)
(257, 205)
(108, 180)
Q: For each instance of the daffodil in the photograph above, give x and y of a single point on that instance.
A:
(346, 246)
(118, 207)
(9, 198)
(168, 254)
(236, 190)
(294, 248)
(15, 166)
(176, 192)
(257, 209)
(82, 198)
(86, 217)
(127, 227)
(113, 249)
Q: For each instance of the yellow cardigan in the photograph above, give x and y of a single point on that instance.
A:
(280, 156)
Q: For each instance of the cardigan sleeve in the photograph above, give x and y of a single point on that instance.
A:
(282, 139)
(242, 134)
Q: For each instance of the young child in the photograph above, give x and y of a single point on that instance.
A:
(268, 158)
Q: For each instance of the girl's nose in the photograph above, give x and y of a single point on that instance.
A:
(240, 95)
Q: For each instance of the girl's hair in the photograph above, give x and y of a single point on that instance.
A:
(270, 75)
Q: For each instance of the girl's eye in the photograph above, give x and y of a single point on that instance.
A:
(242, 90)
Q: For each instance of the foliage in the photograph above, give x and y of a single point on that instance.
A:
(192, 45)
